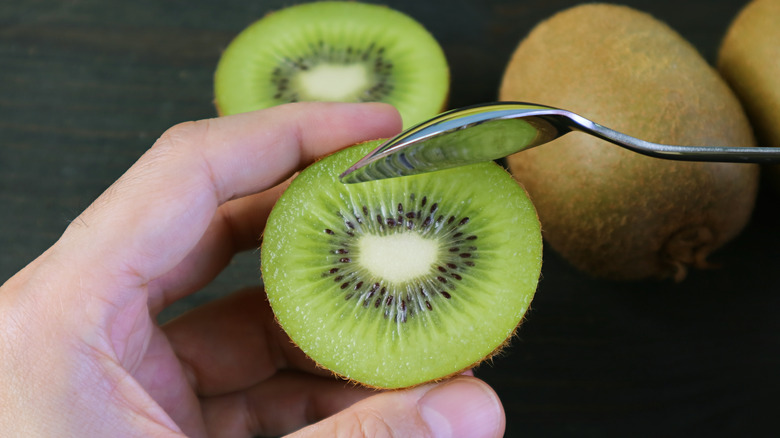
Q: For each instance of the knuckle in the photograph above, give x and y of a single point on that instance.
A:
(185, 142)
(367, 424)
(181, 136)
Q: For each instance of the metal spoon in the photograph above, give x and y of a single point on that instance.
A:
(495, 130)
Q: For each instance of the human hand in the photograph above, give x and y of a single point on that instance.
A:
(81, 353)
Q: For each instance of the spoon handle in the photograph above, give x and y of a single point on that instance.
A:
(763, 155)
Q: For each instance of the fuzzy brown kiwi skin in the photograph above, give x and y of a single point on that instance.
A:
(610, 212)
(749, 60)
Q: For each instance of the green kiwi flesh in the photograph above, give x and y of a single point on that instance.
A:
(334, 51)
(611, 212)
(397, 282)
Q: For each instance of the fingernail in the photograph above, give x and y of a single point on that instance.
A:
(462, 407)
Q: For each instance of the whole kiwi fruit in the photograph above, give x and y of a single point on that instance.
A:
(611, 212)
(749, 60)
(396, 282)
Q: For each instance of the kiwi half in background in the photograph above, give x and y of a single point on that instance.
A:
(397, 282)
(334, 51)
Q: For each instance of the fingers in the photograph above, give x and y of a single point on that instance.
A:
(461, 407)
(237, 226)
(156, 213)
(253, 380)
(233, 343)
(287, 401)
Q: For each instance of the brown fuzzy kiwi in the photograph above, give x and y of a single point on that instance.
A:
(749, 59)
(611, 212)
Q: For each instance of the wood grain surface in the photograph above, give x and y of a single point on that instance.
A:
(86, 86)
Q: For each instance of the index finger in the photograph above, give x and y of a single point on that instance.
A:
(153, 216)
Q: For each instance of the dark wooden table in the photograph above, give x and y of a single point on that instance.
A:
(86, 86)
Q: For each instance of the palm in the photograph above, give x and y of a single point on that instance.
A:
(141, 352)
(162, 374)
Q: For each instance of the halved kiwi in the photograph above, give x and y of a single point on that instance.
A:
(334, 51)
(397, 282)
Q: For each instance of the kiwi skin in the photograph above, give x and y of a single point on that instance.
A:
(749, 60)
(610, 212)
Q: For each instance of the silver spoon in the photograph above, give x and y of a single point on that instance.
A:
(495, 130)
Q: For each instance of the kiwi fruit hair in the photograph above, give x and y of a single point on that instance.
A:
(611, 212)
(334, 51)
(749, 59)
(397, 282)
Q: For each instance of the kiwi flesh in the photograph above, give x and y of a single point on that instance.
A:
(334, 51)
(611, 212)
(397, 282)
(749, 60)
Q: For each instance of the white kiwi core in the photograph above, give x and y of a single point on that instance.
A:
(397, 257)
(333, 82)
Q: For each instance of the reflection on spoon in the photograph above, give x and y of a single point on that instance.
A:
(495, 130)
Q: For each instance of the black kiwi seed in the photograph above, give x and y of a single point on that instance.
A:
(327, 54)
(399, 302)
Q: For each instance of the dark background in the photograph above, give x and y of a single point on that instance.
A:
(87, 86)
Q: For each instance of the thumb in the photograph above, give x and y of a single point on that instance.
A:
(461, 407)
